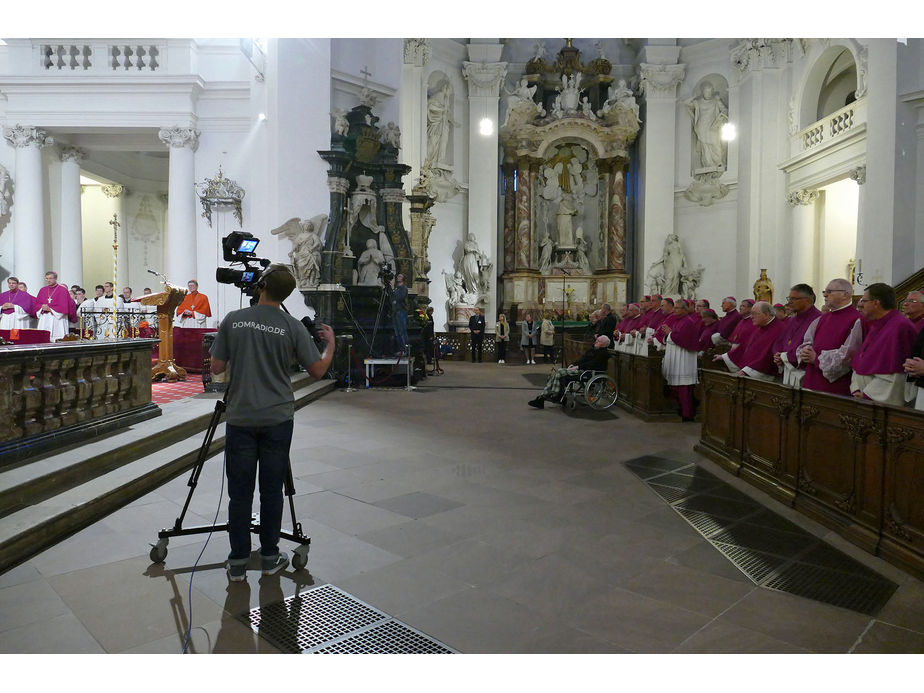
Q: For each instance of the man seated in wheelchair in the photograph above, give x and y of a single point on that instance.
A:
(594, 359)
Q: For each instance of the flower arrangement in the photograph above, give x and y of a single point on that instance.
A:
(421, 315)
(143, 324)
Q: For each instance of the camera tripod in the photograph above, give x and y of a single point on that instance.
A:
(159, 550)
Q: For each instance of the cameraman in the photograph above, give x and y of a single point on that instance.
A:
(258, 345)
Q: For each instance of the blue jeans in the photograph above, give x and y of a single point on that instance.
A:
(400, 326)
(244, 447)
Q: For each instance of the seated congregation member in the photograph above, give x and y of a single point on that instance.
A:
(194, 309)
(594, 359)
(831, 342)
(708, 327)
(680, 366)
(878, 367)
(913, 307)
(756, 359)
(608, 321)
(801, 304)
(914, 370)
(16, 307)
(730, 318)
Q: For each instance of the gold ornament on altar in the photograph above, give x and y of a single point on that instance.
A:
(763, 288)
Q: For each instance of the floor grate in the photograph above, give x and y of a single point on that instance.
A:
(327, 619)
(772, 551)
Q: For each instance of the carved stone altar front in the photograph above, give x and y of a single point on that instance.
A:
(566, 142)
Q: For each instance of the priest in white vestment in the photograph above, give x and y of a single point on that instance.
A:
(106, 306)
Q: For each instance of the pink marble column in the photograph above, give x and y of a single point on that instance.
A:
(510, 217)
(616, 233)
(523, 217)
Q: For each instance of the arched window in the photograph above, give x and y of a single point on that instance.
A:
(839, 84)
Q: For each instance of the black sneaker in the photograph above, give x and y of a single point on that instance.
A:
(273, 564)
(539, 403)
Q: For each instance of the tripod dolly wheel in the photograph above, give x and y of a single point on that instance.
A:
(300, 557)
(158, 551)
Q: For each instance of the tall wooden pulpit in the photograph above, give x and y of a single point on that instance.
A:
(166, 302)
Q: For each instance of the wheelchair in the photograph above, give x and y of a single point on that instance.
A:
(592, 388)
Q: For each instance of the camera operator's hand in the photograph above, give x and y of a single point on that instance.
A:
(326, 333)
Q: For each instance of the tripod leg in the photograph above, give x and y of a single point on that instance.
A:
(200, 461)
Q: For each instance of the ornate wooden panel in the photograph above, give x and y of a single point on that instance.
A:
(903, 498)
(721, 418)
(765, 428)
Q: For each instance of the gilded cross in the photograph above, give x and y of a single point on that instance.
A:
(115, 228)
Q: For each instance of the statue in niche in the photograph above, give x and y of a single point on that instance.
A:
(709, 114)
(547, 246)
(305, 255)
(370, 264)
(341, 124)
(439, 124)
(576, 179)
(564, 221)
(581, 253)
(455, 288)
(391, 135)
(475, 266)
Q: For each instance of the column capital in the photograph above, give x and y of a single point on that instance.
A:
(858, 174)
(660, 81)
(338, 185)
(416, 51)
(802, 198)
(114, 190)
(179, 137)
(20, 136)
(75, 154)
(484, 79)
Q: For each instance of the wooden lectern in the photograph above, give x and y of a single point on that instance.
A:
(166, 302)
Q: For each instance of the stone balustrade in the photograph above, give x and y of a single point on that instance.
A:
(94, 57)
(826, 131)
(54, 394)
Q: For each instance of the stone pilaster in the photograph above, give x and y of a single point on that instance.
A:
(802, 260)
(181, 212)
(29, 213)
(484, 80)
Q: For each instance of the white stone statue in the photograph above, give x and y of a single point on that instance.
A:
(540, 50)
(474, 265)
(439, 125)
(690, 279)
(664, 276)
(709, 114)
(587, 109)
(581, 254)
(455, 288)
(564, 221)
(306, 248)
(551, 189)
(547, 246)
(576, 179)
(370, 264)
(619, 97)
(601, 55)
(341, 124)
(6, 192)
(521, 108)
(391, 134)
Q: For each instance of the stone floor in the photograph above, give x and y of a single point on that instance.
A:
(467, 515)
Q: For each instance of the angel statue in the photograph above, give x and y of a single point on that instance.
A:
(341, 124)
(454, 286)
(391, 134)
(306, 248)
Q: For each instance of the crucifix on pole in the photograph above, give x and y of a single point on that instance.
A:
(115, 249)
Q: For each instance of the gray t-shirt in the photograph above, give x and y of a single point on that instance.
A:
(259, 343)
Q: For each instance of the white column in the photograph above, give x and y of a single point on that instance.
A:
(410, 114)
(656, 186)
(28, 208)
(803, 261)
(181, 212)
(484, 80)
(118, 193)
(71, 268)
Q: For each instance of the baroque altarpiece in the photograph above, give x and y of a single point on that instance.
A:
(566, 139)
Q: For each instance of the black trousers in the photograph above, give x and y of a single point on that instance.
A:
(477, 344)
(501, 350)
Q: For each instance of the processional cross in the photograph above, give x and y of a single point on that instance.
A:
(115, 249)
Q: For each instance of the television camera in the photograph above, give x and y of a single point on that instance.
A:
(239, 247)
